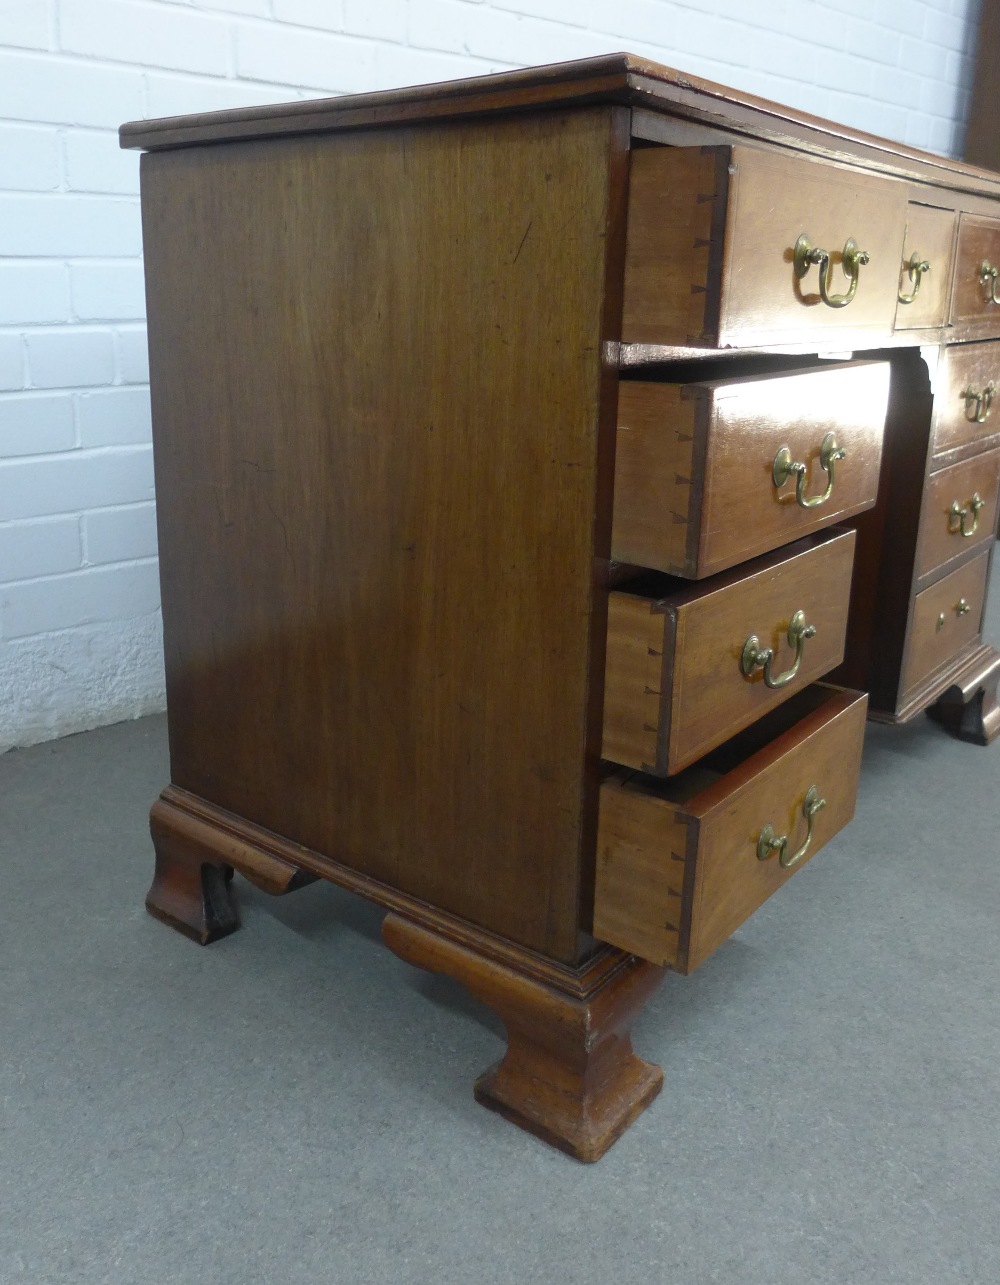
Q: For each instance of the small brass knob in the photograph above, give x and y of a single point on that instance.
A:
(988, 280)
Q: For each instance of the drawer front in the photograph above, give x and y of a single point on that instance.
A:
(688, 671)
(959, 511)
(975, 296)
(925, 279)
(677, 875)
(711, 250)
(968, 386)
(946, 619)
(695, 484)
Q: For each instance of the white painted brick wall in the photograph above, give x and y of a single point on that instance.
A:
(69, 357)
(44, 547)
(120, 534)
(33, 291)
(24, 24)
(29, 158)
(79, 624)
(113, 417)
(36, 424)
(109, 291)
(133, 355)
(11, 362)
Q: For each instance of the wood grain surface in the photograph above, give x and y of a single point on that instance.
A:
(710, 698)
(963, 367)
(824, 750)
(709, 468)
(932, 642)
(940, 540)
(734, 271)
(643, 859)
(882, 589)
(982, 132)
(678, 873)
(743, 512)
(376, 388)
(659, 466)
(569, 1074)
(674, 245)
(648, 88)
(637, 680)
(930, 234)
(762, 299)
(971, 301)
(674, 688)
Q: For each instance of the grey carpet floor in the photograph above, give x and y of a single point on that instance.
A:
(293, 1104)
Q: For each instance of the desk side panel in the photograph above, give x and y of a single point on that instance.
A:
(376, 382)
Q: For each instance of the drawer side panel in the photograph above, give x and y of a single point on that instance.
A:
(634, 679)
(644, 847)
(676, 215)
(659, 464)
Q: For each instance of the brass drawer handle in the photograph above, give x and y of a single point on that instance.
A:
(961, 608)
(957, 514)
(988, 280)
(806, 254)
(916, 268)
(978, 405)
(784, 466)
(769, 843)
(755, 657)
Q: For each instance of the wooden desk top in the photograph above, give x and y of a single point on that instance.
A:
(614, 78)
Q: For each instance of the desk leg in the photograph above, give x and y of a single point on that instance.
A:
(194, 868)
(968, 708)
(569, 1074)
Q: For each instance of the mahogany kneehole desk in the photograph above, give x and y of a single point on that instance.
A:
(515, 442)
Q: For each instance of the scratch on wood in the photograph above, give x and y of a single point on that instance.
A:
(523, 239)
(281, 522)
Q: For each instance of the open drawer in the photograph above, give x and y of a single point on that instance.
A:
(738, 247)
(682, 863)
(688, 666)
(710, 474)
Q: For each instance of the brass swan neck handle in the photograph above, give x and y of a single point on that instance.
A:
(805, 255)
(754, 656)
(916, 269)
(768, 842)
(785, 467)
